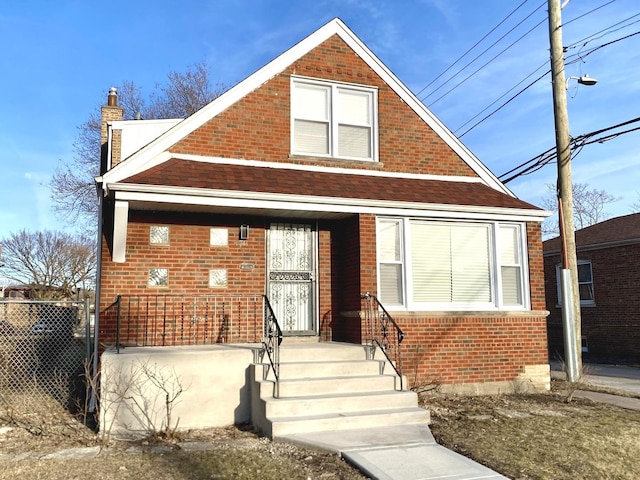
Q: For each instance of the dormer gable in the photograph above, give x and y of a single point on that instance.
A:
(326, 101)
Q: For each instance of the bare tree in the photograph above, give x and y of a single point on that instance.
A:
(635, 206)
(54, 264)
(588, 207)
(72, 186)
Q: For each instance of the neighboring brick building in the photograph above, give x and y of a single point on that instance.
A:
(317, 179)
(609, 274)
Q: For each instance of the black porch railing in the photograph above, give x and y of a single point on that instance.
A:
(170, 320)
(271, 341)
(382, 331)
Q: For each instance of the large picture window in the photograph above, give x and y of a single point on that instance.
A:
(335, 120)
(429, 265)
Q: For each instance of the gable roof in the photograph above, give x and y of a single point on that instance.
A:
(151, 155)
(609, 233)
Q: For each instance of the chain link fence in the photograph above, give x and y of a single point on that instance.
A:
(44, 350)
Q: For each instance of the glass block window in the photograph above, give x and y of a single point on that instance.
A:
(219, 237)
(218, 277)
(158, 235)
(158, 277)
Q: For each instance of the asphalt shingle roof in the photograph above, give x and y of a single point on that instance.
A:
(618, 229)
(202, 175)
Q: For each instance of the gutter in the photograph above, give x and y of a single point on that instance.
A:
(250, 199)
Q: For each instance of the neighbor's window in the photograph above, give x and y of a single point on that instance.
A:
(158, 277)
(585, 283)
(219, 237)
(335, 120)
(218, 277)
(158, 235)
(431, 265)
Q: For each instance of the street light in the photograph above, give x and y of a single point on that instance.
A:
(584, 80)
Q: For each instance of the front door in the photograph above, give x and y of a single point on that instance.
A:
(291, 273)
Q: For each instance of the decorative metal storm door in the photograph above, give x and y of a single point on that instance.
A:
(291, 274)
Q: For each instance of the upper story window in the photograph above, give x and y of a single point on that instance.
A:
(333, 120)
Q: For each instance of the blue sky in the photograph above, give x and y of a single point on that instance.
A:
(60, 58)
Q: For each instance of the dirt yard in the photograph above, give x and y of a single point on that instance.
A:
(520, 436)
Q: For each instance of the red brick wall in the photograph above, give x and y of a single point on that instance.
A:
(536, 266)
(612, 325)
(257, 126)
(465, 348)
(189, 257)
(470, 349)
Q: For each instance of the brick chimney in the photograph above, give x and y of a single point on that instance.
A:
(110, 112)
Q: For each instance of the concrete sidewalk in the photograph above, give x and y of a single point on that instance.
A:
(615, 377)
(413, 454)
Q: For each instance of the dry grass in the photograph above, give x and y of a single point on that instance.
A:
(540, 436)
(520, 436)
(31, 432)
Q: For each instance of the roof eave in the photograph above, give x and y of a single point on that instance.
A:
(249, 199)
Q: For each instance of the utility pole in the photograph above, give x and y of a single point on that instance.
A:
(569, 273)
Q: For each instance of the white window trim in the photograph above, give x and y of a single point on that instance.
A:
(333, 124)
(496, 304)
(583, 303)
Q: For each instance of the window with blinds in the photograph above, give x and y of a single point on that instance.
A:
(450, 265)
(335, 120)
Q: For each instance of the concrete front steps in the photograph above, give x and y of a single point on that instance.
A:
(330, 386)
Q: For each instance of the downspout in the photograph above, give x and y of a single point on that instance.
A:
(96, 319)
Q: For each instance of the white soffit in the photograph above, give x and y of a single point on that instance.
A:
(139, 161)
(234, 198)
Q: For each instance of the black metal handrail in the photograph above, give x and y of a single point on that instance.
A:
(380, 328)
(170, 320)
(271, 341)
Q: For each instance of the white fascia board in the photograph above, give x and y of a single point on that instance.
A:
(145, 157)
(120, 220)
(117, 174)
(240, 199)
(323, 169)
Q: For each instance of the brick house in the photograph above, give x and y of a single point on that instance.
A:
(316, 180)
(609, 271)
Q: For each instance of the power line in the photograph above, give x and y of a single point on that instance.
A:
(504, 104)
(474, 46)
(579, 58)
(480, 55)
(536, 163)
(487, 63)
(588, 13)
(604, 32)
